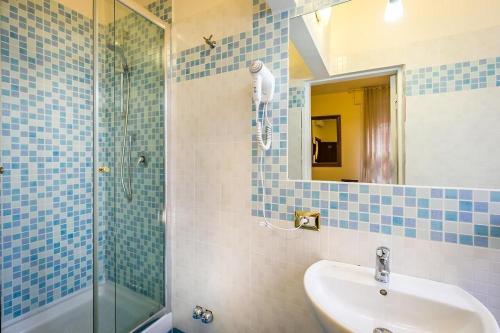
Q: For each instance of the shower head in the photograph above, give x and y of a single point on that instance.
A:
(118, 50)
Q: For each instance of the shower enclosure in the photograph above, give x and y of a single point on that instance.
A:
(83, 165)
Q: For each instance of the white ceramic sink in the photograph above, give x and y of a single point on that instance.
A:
(346, 298)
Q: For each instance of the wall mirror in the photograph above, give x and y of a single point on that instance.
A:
(415, 90)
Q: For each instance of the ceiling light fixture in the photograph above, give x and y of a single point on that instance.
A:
(393, 10)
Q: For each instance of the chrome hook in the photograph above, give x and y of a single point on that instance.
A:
(142, 161)
(210, 42)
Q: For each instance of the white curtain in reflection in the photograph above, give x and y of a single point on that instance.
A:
(376, 161)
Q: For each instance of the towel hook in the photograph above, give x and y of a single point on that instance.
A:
(209, 41)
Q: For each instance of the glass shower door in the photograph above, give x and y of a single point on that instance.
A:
(131, 157)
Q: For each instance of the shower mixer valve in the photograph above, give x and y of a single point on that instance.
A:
(205, 315)
(141, 160)
(197, 312)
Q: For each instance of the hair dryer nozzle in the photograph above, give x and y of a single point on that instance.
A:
(263, 82)
(256, 66)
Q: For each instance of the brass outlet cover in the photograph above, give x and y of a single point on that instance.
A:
(299, 214)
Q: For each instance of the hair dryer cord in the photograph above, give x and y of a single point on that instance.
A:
(265, 123)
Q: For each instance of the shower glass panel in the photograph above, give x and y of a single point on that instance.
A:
(131, 162)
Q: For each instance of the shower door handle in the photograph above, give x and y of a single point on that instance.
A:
(103, 169)
(162, 216)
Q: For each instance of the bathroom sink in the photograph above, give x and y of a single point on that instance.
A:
(346, 298)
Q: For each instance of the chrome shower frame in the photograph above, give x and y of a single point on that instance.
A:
(165, 211)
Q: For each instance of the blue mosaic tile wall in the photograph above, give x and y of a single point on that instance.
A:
(162, 9)
(461, 216)
(46, 149)
(232, 53)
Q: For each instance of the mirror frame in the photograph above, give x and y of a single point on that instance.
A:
(400, 121)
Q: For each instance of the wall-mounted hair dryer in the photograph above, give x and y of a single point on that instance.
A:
(263, 91)
(263, 83)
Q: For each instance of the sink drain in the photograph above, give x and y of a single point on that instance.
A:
(381, 330)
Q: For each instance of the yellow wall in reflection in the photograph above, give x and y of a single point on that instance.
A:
(349, 105)
(297, 67)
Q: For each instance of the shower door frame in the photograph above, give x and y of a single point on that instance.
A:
(166, 26)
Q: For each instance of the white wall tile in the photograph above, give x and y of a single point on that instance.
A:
(251, 276)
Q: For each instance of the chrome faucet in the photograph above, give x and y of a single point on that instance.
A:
(382, 268)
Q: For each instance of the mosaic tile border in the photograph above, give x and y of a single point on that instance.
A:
(232, 53)
(296, 97)
(460, 76)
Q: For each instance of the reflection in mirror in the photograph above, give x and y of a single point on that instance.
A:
(366, 140)
(411, 113)
(326, 141)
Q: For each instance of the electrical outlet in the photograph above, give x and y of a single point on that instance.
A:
(312, 217)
